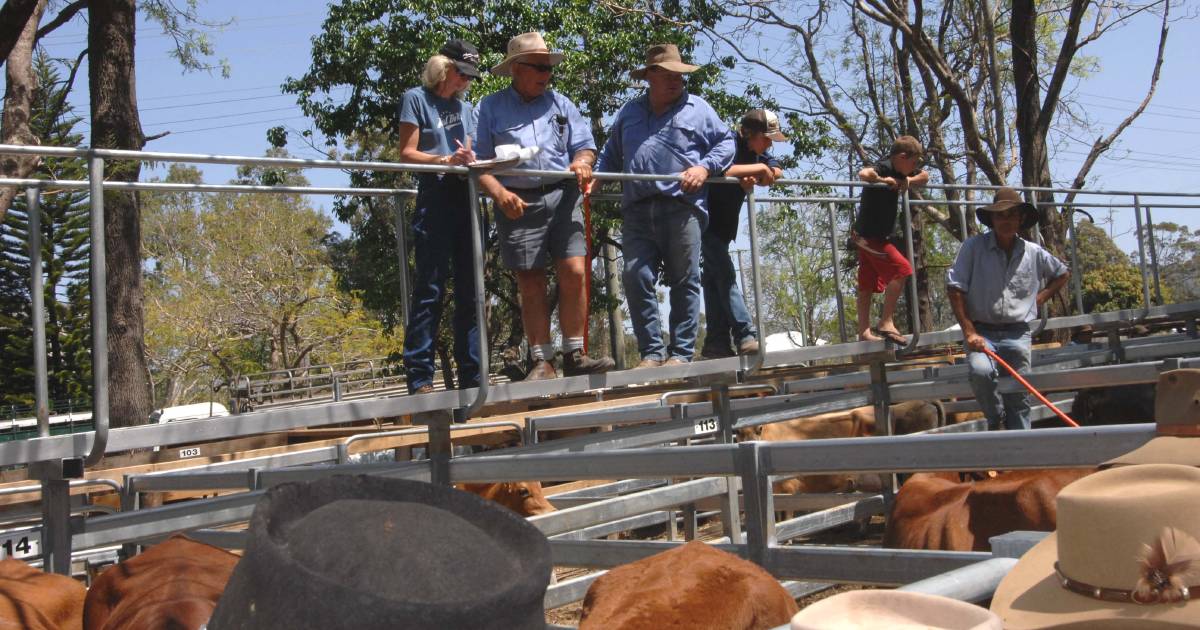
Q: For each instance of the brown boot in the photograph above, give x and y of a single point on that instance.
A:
(576, 363)
(749, 346)
(648, 362)
(542, 371)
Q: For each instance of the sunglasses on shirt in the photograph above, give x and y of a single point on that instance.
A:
(540, 67)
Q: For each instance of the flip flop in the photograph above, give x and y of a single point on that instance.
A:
(892, 336)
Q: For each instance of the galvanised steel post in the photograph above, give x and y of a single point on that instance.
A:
(480, 299)
(730, 513)
(1137, 212)
(402, 252)
(837, 271)
(40, 379)
(1043, 310)
(914, 314)
(759, 507)
(758, 325)
(99, 313)
(1076, 272)
(1153, 257)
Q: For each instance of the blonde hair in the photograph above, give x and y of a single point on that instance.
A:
(436, 70)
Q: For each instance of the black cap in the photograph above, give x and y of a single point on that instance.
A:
(465, 56)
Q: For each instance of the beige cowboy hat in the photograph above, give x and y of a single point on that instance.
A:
(524, 45)
(1177, 423)
(894, 610)
(1126, 555)
(664, 56)
(1004, 199)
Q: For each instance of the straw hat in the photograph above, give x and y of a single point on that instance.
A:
(524, 45)
(894, 610)
(1004, 199)
(1125, 535)
(371, 553)
(665, 56)
(1177, 420)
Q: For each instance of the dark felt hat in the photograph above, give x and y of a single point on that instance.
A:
(1008, 198)
(371, 553)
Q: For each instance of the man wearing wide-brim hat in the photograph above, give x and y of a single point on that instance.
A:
(539, 218)
(666, 131)
(995, 288)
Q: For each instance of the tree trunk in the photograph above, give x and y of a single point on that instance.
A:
(20, 87)
(115, 125)
(17, 16)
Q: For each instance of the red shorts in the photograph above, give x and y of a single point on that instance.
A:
(875, 272)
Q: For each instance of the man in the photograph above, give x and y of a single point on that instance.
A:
(994, 290)
(540, 217)
(728, 319)
(665, 132)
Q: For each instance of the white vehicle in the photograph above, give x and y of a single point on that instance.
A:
(195, 411)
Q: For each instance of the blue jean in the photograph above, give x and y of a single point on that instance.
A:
(442, 249)
(1013, 344)
(662, 233)
(725, 309)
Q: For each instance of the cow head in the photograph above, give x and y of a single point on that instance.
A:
(523, 497)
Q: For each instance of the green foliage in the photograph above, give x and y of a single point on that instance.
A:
(181, 22)
(1096, 249)
(1111, 288)
(1179, 264)
(64, 233)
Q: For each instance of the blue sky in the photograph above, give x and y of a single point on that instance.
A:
(267, 42)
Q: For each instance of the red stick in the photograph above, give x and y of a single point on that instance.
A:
(1062, 416)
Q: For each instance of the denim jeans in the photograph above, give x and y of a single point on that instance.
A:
(442, 244)
(724, 307)
(662, 233)
(1013, 344)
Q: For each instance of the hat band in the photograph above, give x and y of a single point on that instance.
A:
(1186, 430)
(1161, 594)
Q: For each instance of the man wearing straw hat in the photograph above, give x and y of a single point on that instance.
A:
(540, 217)
(665, 132)
(995, 288)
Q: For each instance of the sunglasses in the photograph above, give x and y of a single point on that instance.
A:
(540, 67)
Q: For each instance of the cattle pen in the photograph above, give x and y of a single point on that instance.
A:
(663, 463)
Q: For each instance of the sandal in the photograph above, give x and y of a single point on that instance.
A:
(892, 336)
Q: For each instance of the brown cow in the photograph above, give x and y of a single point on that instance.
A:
(523, 497)
(908, 417)
(173, 585)
(938, 512)
(692, 586)
(33, 600)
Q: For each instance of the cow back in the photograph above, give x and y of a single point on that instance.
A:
(691, 586)
(173, 585)
(33, 600)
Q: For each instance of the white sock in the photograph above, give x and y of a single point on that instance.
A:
(542, 351)
(572, 343)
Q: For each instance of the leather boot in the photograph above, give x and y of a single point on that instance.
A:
(576, 363)
(542, 371)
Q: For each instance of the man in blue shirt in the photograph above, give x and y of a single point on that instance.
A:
(665, 132)
(540, 217)
(993, 288)
(727, 317)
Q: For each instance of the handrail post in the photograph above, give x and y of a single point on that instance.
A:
(914, 311)
(837, 271)
(1043, 310)
(402, 252)
(33, 197)
(99, 313)
(480, 299)
(729, 501)
(759, 508)
(1076, 272)
(1137, 212)
(761, 357)
(1153, 257)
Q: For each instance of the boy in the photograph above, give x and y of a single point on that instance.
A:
(727, 316)
(881, 267)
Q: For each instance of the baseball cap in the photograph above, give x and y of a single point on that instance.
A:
(465, 56)
(763, 121)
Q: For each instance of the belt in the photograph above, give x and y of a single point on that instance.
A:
(542, 189)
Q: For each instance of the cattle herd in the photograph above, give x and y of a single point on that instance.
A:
(176, 583)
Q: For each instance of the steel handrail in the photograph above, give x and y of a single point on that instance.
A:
(343, 449)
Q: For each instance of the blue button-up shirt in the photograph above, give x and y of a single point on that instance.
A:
(688, 134)
(550, 121)
(1002, 289)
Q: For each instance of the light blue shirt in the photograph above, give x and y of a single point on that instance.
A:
(1001, 289)
(688, 134)
(439, 121)
(550, 121)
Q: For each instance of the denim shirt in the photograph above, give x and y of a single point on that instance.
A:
(1002, 289)
(550, 121)
(688, 134)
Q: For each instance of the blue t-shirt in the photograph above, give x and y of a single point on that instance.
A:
(440, 121)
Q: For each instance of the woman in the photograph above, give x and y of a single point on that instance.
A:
(436, 127)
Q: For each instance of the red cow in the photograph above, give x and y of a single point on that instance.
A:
(523, 497)
(33, 600)
(692, 586)
(173, 585)
(939, 512)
